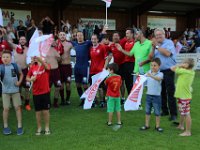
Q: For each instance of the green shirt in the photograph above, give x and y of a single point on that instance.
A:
(141, 53)
(184, 83)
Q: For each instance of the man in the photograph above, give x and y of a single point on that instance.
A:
(164, 49)
(140, 51)
(81, 69)
(47, 25)
(128, 65)
(118, 59)
(52, 58)
(20, 54)
(99, 61)
(65, 69)
(21, 30)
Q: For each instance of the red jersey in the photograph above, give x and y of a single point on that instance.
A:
(118, 56)
(128, 46)
(41, 84)
(113, 83)
(98, 55)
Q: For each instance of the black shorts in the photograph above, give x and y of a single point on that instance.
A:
(41, 102)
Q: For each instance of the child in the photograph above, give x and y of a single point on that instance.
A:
(113, 83)
(153, 99)
(39, 75)
(183, 93)
(11, 78)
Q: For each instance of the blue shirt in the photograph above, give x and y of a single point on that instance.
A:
(82, 53)
(166, 62)
(9, 80)
(153, 86)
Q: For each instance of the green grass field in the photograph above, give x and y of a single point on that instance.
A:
(76, 129)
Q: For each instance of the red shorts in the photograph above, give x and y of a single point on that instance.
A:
(25, 72)
(184, 106)
(65, 73)
(54, 78)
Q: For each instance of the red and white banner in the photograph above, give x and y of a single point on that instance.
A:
(91, 92)
(39, 45)
(108, 2)
(134, 99)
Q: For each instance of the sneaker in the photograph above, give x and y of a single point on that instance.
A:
(109, 123)
(102, 104)
(28, 107)
(68, 102)
(38, 132)
(140, 107)
(20, 131)
(47, 132)
(159, 129)
(6, 131)
(122, 101)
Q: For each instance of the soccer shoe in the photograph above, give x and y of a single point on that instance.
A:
(28, 107)
(159, 129)
(20, 131)
(6, 131)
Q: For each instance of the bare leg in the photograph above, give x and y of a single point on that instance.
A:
(110, 116)
(119, 117)
(38, 119)
(19, 116)
(56, 92)
(46, 119)
(147, 119)
(5, 117)
(157, 121)
(188, 126)
(181, 123)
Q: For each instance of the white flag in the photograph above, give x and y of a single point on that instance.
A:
(33, 49)
(134, 99)
(91, 92)
(108, 2)
(1, 18)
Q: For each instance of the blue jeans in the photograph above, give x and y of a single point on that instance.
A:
(155, 102)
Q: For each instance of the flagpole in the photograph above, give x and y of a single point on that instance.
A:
(106, 15)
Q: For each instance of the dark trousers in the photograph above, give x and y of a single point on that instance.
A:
(168, 89)
(127, 71)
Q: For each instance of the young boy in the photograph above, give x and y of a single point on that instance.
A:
(113, 83)
(183, 93)
(39, 74)
(153, 99)
(11, 78)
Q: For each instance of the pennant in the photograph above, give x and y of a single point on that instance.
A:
(91, 92)
(108, 3)
(134, 99)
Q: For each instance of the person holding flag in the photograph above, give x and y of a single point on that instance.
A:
(39, 74)
(99, 61)
(65, 67)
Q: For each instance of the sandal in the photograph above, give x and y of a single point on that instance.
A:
(159, 129)
(144, 128)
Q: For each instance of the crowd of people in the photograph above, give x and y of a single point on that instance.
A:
(135, 53)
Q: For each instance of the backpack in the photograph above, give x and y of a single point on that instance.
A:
(2, 70)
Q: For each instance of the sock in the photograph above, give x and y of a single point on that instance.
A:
(26, 102)
(80, 91)
(68, 93)
(62, 95)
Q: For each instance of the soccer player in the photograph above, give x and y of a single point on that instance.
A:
(99, 61)
(65, 69)
(52, 58)
(81, 68)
